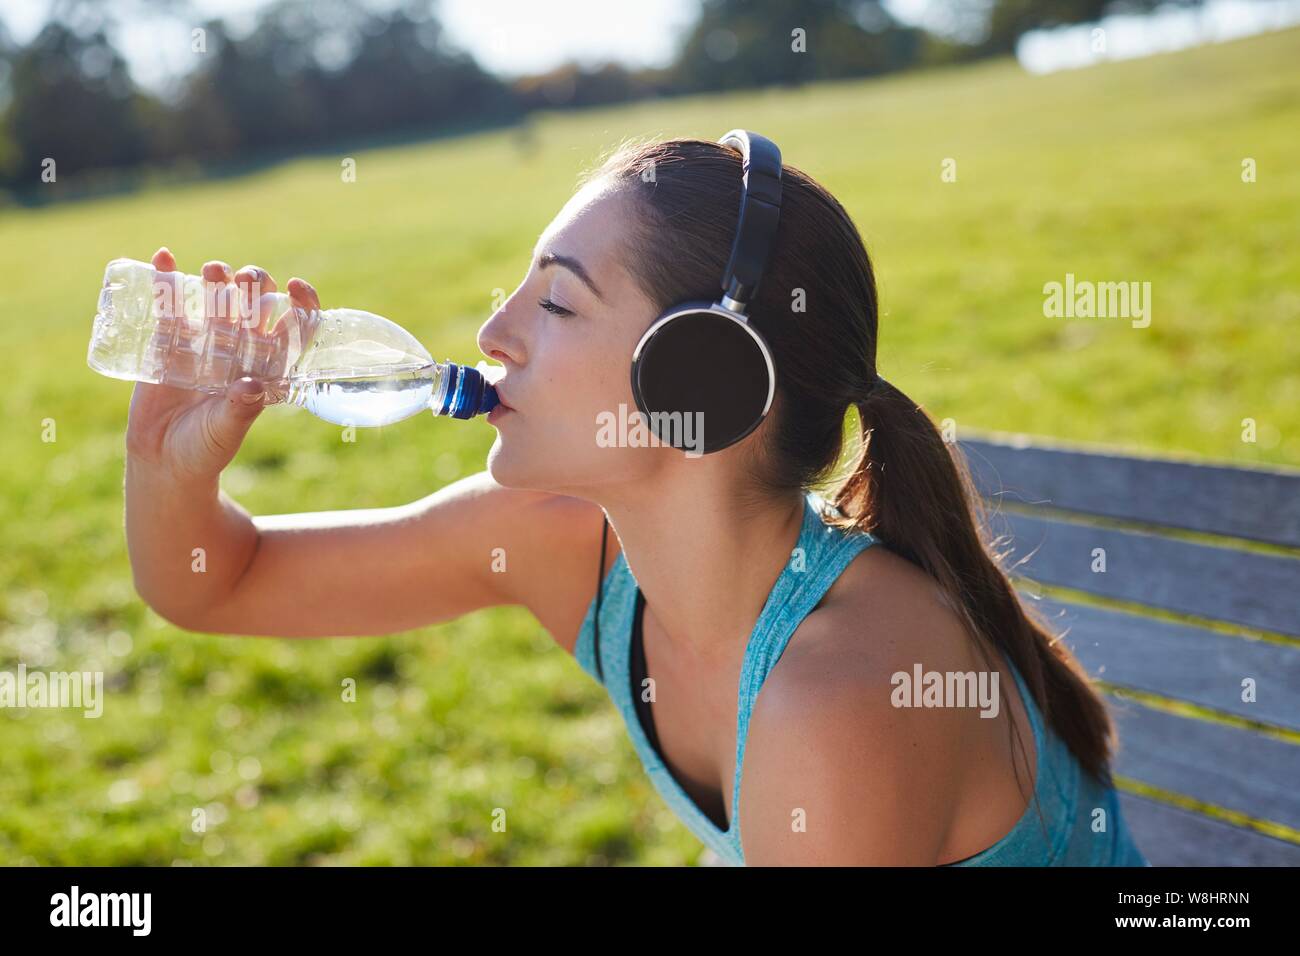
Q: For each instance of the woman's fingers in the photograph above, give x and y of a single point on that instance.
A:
(246, 298)
(254, 285)
(306, 308)
(250, 274)
(219, 301)
(217, 271)
(167, 292)
(296, 329)
(302, 293)
(163, 260)
(168, 336)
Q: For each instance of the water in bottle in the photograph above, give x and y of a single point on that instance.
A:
(343, 365)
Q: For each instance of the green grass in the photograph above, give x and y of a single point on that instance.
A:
(1129, 171)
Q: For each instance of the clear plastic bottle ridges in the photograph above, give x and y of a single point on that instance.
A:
(343, 365)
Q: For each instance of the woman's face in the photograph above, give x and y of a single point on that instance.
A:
(565, 338)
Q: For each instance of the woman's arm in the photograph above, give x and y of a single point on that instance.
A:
(201, 561)
(470, 545)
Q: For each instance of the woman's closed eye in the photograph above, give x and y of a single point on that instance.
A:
(551, 307)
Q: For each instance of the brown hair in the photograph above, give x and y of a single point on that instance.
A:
(908, 486)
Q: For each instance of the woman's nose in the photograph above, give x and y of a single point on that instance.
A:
(497, 342)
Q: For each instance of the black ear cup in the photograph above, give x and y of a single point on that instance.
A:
(703, 378)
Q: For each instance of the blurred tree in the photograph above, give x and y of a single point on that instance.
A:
(254, 94)
(9, 154)
(571, 85)
(72, 101)
(993, 27)
(742, 43)
(316, 72)
(404, 75)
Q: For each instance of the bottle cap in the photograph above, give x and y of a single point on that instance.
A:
(468, 393)
(490, 397)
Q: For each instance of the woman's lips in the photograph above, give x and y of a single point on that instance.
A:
(493, 375)
(502, 399)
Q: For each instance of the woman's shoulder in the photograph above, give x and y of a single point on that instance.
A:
(881, 615)
(825, 734)
(832, 693)
(556, 560)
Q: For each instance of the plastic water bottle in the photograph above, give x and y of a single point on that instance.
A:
(343, 365)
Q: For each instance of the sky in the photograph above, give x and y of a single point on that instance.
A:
(516, 37)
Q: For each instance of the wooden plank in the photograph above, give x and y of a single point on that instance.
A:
(1172, 836)
(1241, 587)
(1225, 766)
(1180, 661)
(1255, 503)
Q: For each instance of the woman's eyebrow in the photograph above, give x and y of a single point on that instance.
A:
(573, 265)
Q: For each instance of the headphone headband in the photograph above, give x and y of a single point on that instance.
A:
(760, 212)
(702, 373)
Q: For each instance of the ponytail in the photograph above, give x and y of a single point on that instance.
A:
(910, 490)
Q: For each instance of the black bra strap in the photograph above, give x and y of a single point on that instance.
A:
(600, 587)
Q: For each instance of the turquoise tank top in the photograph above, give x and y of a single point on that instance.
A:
(1068, 797)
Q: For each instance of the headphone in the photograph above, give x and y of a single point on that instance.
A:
(705, 360)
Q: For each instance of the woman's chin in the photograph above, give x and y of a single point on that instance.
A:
(503, 469)
(512, 470)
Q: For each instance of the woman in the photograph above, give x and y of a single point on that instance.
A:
(726, 574)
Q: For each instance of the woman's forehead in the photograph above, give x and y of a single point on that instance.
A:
(590, 212)
(590, 229)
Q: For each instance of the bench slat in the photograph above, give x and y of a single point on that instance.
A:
(1225, 766)
(1172, 836)
(1233, 768)
(1241, 587)
(1180, 661)
(1255, 503)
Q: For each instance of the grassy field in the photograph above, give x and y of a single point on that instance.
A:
(1131, 171)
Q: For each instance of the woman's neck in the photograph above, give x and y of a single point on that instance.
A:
(705, 565)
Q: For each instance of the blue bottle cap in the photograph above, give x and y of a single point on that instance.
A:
(468, 393)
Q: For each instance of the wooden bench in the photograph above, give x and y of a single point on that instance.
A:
(1199, 600)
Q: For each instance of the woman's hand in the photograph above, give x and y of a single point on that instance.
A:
(193, 434)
